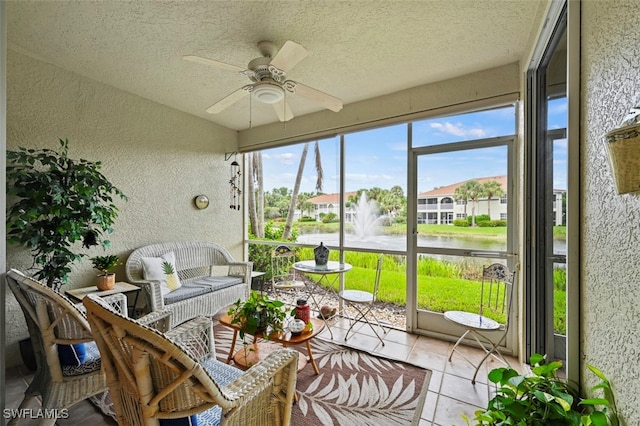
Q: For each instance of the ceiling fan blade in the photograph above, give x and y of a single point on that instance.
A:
(213, 62)
(227, 101)
(314, 95)
(282, 110)
(289, 55)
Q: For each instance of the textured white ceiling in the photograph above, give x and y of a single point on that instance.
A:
(358, 50)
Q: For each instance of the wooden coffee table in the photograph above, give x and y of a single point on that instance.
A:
(255, 352)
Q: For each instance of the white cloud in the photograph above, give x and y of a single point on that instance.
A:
(458, 130)
(367, 180)
(286, 158)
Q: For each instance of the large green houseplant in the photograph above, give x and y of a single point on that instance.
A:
(543, 399)
(57, 202)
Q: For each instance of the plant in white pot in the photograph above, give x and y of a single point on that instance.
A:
(56, 203)
(105, 264)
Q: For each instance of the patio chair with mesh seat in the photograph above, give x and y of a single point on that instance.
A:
(488, 333)
(363, 302)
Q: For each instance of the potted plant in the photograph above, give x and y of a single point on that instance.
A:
(105, 264)
(59, 201)
(541, 398)
(258, 314)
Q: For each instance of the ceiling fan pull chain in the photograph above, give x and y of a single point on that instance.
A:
(284, 110)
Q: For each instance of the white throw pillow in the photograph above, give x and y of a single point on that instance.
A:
(152, 270)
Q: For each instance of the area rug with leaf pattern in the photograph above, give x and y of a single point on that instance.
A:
(353, 387)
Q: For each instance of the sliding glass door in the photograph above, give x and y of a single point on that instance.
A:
(463, 214)
(548, 191)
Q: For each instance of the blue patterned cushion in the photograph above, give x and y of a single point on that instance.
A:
(185, 421)
(199, 287)
(91, 362)
(72, 355)
(222, 374)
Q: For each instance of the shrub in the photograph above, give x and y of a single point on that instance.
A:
(260, 255)
(491, 223)
(386, 221)
(330, 217)
(400, 219)
(478, 218)
(307, 219)
(559, 278)
(461, 222)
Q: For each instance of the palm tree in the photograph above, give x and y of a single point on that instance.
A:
(474, 191)
(396, 200)
(305, 206)
(470, 190)
(296, 188)
(461, 194)
(256, 195)
(492, 189)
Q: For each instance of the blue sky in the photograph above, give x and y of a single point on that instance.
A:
(378, 157)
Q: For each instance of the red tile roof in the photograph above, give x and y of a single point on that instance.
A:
(330, 198)
(450, 189)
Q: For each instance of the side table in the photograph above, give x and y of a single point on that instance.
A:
(77, 294)
(252, 354)
(257, 280)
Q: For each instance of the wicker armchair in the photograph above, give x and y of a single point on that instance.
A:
(53, 320)
(153, 376)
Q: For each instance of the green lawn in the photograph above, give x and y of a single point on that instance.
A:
(438, 291)
(442, 285)
(434, 293)
(460, 231)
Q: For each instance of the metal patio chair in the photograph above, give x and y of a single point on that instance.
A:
(363, 302)
(283, 276)
(480, 327)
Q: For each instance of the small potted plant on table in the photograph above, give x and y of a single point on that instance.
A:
(105, 264)
(258, 314)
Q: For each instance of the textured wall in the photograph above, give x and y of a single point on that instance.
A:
(611, 268)
(159, 157)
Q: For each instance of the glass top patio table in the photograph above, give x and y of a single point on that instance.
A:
(332, 267)
(329, 275)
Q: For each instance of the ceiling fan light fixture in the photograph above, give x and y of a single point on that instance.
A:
(268, 93)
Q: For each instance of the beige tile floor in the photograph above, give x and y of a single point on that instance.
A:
(450, 393)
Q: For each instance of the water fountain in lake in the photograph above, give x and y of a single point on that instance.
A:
(365, 217)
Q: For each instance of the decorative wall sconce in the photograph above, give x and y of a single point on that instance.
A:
(201, 201)
(234, 182)
(623, 151)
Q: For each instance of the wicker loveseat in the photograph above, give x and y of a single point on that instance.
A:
(210, 278)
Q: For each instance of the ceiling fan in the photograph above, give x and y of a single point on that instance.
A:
(268, 74)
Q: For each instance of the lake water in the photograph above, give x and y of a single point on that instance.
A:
(399, 242)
